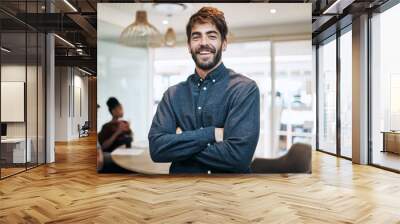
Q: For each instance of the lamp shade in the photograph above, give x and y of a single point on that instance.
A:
(141, 33)
(170, 37)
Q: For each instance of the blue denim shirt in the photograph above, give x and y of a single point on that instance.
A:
(225, 99)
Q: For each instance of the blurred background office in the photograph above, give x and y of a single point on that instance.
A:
(263, 43)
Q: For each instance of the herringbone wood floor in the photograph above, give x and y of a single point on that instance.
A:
(70, 191)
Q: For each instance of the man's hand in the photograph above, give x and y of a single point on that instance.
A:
(178, 130)
(219, 134)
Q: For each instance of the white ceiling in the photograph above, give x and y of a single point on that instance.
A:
(238, 15)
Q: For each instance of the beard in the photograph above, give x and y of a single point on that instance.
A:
(211, 62)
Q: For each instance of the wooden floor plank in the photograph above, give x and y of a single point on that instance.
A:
(71, 191)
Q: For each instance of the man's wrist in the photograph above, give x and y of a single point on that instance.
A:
(207, 135)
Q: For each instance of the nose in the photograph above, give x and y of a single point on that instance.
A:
(204, 41)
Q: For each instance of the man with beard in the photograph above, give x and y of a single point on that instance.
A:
(210, 122)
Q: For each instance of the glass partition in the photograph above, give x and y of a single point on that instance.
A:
(346, 94)
(22, 88)
(14, 153)
(385, 89)
(327, 96)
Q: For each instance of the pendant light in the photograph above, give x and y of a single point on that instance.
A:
(141, 33)
(170, 37)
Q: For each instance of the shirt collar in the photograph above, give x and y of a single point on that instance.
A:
(214, 75)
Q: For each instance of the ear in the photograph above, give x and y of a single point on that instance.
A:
(188, 46)
(224, 45)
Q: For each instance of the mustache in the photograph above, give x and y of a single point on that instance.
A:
(205, 48)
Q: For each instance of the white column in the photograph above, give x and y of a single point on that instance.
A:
(50, 99)
(360, 90)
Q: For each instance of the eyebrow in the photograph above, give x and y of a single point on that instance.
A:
(208, 32)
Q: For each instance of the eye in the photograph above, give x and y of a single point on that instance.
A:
(212, 37)
(195, 37)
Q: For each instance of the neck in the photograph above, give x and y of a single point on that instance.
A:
(114, 118)
(203, 73)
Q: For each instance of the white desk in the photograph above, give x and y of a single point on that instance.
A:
(138, 159)
(140, 145)
(18, 149)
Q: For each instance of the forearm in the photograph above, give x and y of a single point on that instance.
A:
(107, 143)
(230, 155)
(170, 147)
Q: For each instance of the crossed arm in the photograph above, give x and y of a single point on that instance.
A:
(232, 150)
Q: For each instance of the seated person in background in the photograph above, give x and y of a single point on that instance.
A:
(116, 132)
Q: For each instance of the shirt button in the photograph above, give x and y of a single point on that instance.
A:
(208, 144)
(198, 84)
(209, 172)
(199, 108)
(205, 88)
(201, 127)
(213, 80)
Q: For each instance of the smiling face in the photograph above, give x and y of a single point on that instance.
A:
(206, 46)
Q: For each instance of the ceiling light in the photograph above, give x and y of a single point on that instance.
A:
(5, 50)
(84, 71)
(272, 11)
(65, 41)
(170, 8)
(165, 22)
(79, 51)
(170, 37)
(337, 6)
(141, 33)
(70, 5)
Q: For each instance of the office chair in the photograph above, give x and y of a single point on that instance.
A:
(84, 130)
(296, 160)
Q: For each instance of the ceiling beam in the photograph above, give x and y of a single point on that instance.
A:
(82, 61)
(84, 24)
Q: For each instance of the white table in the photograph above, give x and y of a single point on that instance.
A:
(138, 159)
(19, 155)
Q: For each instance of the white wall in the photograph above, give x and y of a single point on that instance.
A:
(123, 73)
(61, 103)
(11, 73)
(14, 73)
(70, 83)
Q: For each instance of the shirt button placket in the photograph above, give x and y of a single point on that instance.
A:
(201, 101)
